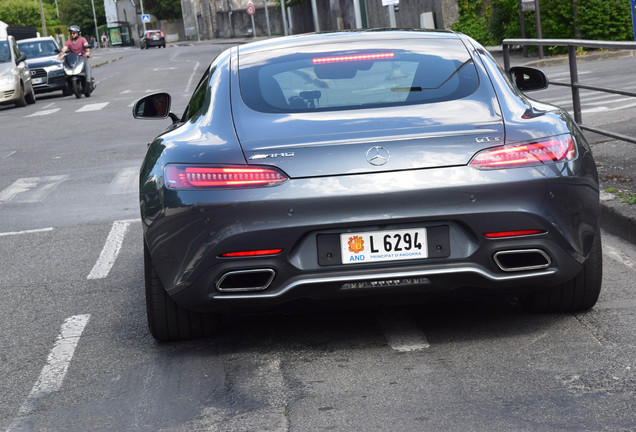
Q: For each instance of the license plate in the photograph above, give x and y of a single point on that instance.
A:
(37, 80)
(378, 246)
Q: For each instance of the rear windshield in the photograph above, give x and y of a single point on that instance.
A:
(431, 70)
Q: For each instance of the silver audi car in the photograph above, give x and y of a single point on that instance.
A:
(358, 167)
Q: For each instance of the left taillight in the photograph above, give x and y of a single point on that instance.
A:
(553, 150)
(216, 177)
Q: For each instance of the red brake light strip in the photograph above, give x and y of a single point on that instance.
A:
(353, 58)
(517, 233)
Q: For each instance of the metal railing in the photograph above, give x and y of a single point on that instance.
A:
(572, 45)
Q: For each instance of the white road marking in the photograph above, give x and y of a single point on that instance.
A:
(193, 75)
(92, 107)
(33, 231)
(43, 112)
(54, 371)
(31, 189)
(5, 155)
(124, 182)
(402, 333)
(617, 255)
(111, 250)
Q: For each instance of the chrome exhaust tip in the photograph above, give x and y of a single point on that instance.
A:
(245, 280)
(522, 260)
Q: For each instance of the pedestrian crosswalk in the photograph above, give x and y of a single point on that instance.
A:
(52, 109)
(37, 189)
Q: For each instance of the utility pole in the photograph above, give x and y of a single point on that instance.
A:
(43, 20)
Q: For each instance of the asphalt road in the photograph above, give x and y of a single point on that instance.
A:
(75, 354)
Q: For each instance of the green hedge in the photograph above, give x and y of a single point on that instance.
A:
(491, 21)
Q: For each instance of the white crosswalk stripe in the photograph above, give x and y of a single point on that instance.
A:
(31, 189)
(124, 182)
(92, 107)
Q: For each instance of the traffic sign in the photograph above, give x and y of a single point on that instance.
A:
(250, 8)
(145, 18)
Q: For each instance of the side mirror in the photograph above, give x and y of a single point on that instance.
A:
(154, 106)
(22, 57)
(528, 79)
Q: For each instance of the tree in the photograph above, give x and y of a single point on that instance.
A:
(80, 12)
(20, 13)
(164, 9)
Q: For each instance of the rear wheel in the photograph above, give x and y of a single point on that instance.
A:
(579, 294)
(88, 89)
(167, 321)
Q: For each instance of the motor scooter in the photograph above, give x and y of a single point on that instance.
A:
(75, 71)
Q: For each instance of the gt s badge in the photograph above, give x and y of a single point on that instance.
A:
(487, 139)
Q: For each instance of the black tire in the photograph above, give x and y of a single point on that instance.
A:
(579, 294)
(66, 91)
(167, 321)
(30, 98)
(77, 89)
(21, 102)
(87, 90)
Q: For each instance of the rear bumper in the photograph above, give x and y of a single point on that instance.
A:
(187, 231)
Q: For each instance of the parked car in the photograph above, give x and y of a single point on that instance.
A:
(375, 165)
(15, 77)
(152, 38)
(47, 74)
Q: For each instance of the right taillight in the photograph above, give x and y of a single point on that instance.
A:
(553, 150)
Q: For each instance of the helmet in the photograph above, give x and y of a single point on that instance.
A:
(74, 28)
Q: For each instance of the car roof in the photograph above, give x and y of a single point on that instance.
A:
(344, 37)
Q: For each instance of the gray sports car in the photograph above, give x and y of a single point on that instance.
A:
(363, 165)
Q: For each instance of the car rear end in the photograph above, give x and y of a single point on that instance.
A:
(155, 38)
(375, 167)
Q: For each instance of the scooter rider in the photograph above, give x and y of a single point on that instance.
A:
(79, 45)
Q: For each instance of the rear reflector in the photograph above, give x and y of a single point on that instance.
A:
(518, 233)
(205, 177)
(553, 150)
(353, 58)
(252, 253)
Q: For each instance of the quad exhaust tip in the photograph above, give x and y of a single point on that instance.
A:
(522, 260)
(245, 280)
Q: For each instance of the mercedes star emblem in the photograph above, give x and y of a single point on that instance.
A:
(377, 156)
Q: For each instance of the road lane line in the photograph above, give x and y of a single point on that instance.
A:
(39, 230)
(54, 371)
(111, 250)
(402, 333)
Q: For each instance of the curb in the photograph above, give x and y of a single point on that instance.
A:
(616, 222)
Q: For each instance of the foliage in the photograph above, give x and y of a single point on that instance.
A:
(605, 20)
(473, 21)
(560, 19)
(80, 12)
(163, 9)
(20, 12)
